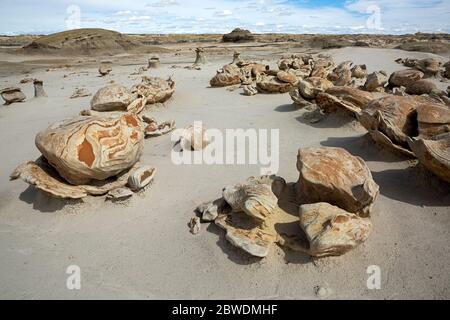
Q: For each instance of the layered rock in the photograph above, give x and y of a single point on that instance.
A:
(433, 119)
(12, 94)
(434, 154)
(343, 98)
(83, 149)
(331, 231)
(154, 89)
(391, 120)
(333, 175)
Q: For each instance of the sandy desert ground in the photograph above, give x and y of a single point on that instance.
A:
(143, 249)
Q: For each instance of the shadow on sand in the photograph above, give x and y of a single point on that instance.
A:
(413, 185)
(330, 121)
(363, 146)
(287, 108)
(45, 203)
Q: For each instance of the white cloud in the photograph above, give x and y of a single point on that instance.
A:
(163, 3)
(219, 16)
(223, 13)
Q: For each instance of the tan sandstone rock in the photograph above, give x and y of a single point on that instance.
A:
(250, 225)
(404, 77)
(429, 66)
(331, 231)
(359, 71)
(154, 89)
(376, 81)
(434, 154)
(391, 120)
(312, 86)
(105, 68)
(227, 76)
(342, 74)
(271, 84)
(45, 178)
(83, 149)
(333, 175)
(343, 98)
(141, 177)
(111, 98)
(433, 119)
(193, 138)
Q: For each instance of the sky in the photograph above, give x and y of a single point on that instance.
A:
(221, 16)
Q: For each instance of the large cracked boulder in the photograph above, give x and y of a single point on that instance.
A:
(84, 149)
(254, 199)
(322, 67)
(111, 98)
(391, 120)
(376, 81)
(359, 71)
(308, 89)
(154, 89)
(331, 231)
(343, 98)
(434, 154)
(333, 175)
(312, 86)
(250, 225)
(429, 66)
(342, 74)
(433, 119)
(227, 76)
(404, 78)
(272, 84)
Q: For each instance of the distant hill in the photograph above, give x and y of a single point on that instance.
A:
(82, 41)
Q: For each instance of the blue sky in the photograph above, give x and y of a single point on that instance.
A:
(220, 16)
